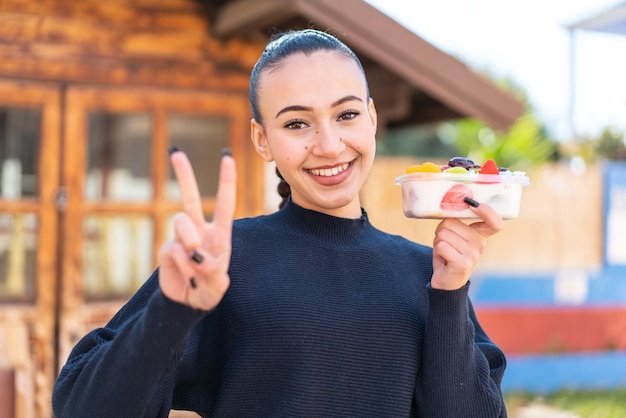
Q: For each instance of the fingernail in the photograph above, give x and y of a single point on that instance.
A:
(193, 283)
(197, 257)
(171, 150)
(227, 151)
(471, 201)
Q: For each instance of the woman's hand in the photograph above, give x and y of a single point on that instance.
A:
(194, 265)
(458, 246)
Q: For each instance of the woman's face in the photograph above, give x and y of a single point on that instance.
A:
(319, 127)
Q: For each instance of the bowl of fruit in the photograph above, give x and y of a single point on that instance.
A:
(434, 191)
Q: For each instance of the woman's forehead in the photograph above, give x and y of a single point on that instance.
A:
(321, 73)
(333, 61)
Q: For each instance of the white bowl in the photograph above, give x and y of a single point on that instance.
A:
(440, 195)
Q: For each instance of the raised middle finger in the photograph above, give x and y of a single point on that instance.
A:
(226, 192)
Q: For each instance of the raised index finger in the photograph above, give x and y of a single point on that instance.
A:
(226, 192)
(189, 191)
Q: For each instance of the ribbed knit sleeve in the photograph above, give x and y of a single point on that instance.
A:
(126, 368)
(461, 368)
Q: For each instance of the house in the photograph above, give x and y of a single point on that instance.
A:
(92, 94)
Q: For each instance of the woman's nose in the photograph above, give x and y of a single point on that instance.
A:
(327, 142)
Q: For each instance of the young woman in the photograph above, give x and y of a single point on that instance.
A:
(307, 312)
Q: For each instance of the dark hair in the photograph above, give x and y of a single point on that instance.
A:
(282, 46)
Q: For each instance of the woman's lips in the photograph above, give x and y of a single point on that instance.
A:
(328, 172)
(330, 176)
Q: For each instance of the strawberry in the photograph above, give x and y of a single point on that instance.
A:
(489, 167)
(453, 199)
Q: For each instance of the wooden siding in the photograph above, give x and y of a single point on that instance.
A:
(147, 42)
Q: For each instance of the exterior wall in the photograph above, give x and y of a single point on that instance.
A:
(555, 329)
(147, 42)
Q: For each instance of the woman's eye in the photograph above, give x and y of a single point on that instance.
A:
(295, 124)
(349, 115)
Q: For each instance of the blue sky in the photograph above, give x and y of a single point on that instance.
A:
(528, 41)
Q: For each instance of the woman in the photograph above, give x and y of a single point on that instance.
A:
(310, 311)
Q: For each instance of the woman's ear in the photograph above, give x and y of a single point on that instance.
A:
(259, 140)
(373, 114)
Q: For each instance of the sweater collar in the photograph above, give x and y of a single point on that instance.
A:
(331, 230)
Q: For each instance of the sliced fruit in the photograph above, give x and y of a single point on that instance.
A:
(456, 170)
(489, 167)
(427, 167)
(453, 199)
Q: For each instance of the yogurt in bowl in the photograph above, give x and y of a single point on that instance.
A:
(434, 192)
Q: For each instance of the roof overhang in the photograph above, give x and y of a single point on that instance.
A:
(409, 78)
(612, 21)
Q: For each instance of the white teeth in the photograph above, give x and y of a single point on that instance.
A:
(327, 172)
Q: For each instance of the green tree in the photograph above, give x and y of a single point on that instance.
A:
(523, 146)
(609, 146)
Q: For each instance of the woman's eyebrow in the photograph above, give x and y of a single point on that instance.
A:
(292, 108)
(300, 108)
(348, 98)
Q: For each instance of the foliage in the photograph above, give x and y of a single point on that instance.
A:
(524, 145)
(418, 141)
(610, 145)
(584, 403)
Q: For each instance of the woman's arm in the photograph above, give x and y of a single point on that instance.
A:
(128, 368)
(461, 367)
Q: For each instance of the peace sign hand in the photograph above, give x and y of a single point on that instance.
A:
(194, 265)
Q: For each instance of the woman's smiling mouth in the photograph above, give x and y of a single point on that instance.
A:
(329, 172)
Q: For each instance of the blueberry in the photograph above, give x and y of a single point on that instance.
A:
(466, 163)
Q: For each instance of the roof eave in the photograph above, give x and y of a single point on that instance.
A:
(612, 20)
(401, 51)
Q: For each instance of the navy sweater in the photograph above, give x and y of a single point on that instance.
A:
(324, 317)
